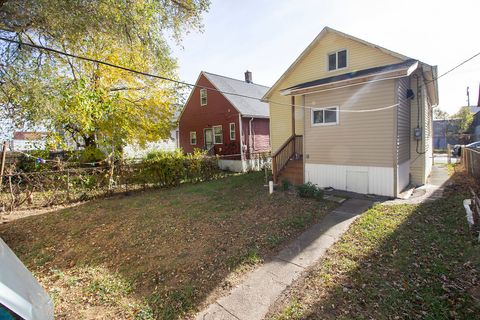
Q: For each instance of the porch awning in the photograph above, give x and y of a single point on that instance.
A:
(391, 71)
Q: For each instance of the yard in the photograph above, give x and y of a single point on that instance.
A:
(157, 254)
(396, 262)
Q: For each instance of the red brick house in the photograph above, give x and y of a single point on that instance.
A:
(219, 116)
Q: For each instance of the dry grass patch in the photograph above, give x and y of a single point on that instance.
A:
(157, 254)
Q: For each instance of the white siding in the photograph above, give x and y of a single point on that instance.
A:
(403, 176)
(373, 180)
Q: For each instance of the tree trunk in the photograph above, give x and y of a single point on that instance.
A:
(90, 140)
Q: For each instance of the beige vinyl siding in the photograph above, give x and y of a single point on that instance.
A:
(360, 139)
(314, 66)
(403, 121)
(421, 151)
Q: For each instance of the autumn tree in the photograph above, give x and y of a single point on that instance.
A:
(439, 114)
(89, 102)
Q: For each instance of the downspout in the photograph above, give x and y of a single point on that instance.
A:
(250, 138)
(241, 137)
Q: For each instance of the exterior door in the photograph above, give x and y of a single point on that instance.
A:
(208, 138)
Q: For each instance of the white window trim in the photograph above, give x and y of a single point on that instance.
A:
(194, 133)
(213, 129)
(206, 98)
(234, 129)
(336, 61)
(328, 123)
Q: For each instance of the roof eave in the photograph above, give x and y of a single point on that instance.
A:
(380, 76)
(255, 116)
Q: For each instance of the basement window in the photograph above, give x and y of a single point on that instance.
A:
(217, 135)
(324, 116)
(193, 138)
(203, 97)
(337, 60)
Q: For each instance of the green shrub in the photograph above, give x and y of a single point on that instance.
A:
(90, 155)
(286, 185)
(310, 190)
(170, 168)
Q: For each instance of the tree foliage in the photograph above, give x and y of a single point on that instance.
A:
(439, 114)
(87, 101)
(466, 118)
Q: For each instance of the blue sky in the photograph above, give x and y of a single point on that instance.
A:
(267, 36)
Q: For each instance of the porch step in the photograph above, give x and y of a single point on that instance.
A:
(293, 172)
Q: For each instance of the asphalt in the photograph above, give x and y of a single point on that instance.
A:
(252, 298)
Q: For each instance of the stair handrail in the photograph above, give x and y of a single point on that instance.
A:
(282, 155)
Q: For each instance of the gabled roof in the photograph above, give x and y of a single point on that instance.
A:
(241, 92)
(382, 70)
(312, 45)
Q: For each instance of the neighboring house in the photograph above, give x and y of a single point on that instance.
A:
(226, 117)
(474, 128)
(446, 131)
(28, 141)
(134, 151)
(360, 117)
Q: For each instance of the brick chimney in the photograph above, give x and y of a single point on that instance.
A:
(248, 76)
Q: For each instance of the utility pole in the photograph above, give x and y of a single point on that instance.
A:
(2, 166)
(468, 96)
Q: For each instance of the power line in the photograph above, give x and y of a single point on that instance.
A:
(59, 52)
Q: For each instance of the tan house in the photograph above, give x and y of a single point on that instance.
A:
(354, 116)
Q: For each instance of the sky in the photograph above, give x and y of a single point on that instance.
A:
(266, 36)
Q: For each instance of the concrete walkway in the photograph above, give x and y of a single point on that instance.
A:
(252, 299)
(431, 191)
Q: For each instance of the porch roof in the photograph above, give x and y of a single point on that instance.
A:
(377, 73)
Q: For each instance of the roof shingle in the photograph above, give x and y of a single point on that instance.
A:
(241, 91)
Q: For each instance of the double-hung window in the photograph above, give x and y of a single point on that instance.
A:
(324, 116)
(217, 135)
(203, 97)
(232, 131)
(337, 60)
(193, 138)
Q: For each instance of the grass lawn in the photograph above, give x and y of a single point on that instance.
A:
(157, 254)
(396, 262)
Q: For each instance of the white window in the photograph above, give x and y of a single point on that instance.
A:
(217, 135)
(324, 116)
(232, 131)
(337, 60)
(203, 97)
(193, 138)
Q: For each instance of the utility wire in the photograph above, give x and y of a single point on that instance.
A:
(39, 47)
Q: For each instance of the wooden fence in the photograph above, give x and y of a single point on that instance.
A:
(471, 162)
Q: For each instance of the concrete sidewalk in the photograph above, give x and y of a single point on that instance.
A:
(252, 299)
(431, 191)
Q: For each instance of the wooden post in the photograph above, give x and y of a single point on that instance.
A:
(2, 166)
(449, 154)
